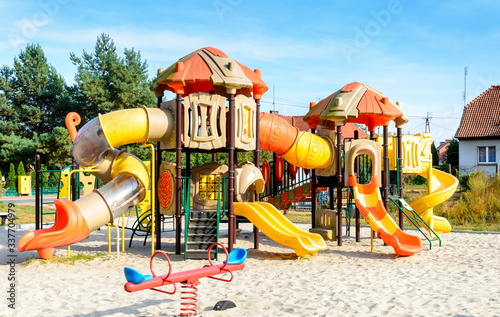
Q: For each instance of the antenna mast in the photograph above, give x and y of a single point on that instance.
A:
(428, 123)
(466, 71)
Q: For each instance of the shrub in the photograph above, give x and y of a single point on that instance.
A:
(412, 179)
(480, 203)
(11, 177)
(20, 169)
(2, 184)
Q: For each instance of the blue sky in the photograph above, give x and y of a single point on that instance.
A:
(412, 51)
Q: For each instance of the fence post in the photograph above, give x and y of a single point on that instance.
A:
(37, 191)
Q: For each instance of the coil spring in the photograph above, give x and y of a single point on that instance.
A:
(189, 294)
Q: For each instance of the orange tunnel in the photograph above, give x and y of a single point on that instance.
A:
(299, 148)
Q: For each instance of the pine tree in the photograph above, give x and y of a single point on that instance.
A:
(435, 155)
(20, 169)
(32, 93)
(33, 178)
(11, 177)
(2, 185)
(34, 99)
(452, 153)
(107, 82)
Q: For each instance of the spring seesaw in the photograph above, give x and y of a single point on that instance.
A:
(188, 279)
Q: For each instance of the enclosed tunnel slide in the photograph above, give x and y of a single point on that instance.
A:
(94, 146)
(300, 148)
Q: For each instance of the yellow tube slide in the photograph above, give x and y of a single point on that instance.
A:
(442, 186)
(94, 146)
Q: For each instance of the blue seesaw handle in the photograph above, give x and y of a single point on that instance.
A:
(237, 256)
(135, 277)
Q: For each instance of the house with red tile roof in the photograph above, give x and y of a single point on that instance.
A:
(479, 133)
(441, 151)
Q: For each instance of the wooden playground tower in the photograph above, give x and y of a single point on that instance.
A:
(214, 112)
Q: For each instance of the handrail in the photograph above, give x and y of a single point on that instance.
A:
(281, 188)
(185, 195)
(415, 219)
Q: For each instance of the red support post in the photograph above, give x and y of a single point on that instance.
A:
(313, 192)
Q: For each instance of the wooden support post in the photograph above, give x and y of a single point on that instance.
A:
(178, 172)
(256, 161)
(231, 136)
(158, 160)
(372, 137)
(73, 181)
(313, 192)
(37, 191)
(386, 168)
(357, 216)
(339, 184)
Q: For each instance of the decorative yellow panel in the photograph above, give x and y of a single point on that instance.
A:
(245, 124)
(208, 187)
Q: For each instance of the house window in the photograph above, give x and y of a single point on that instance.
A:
(487, 154)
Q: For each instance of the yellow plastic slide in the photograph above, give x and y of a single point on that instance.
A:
(443, 186)
(278, 228)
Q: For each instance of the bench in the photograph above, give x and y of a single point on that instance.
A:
(5, 215)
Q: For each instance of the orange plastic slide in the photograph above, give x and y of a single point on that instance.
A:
(69, 228)
(369, 203)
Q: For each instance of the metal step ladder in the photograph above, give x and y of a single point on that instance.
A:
(416, 220)
(202, 231)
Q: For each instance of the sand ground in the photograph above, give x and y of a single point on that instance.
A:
(461, 278)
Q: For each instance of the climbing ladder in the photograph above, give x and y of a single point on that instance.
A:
(201, 233)
(202, 225)
(416, 220)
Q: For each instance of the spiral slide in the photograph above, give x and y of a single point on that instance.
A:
(278, 228)
(443, 186)
(370, 205)
(127, 177)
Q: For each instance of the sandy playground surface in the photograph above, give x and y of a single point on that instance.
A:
(461, 278)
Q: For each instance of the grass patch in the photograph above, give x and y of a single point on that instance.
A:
(480, 203)
(26, 213)
(71, 260)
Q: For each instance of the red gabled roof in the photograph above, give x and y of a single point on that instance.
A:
(297, 121)
(481, 117)
(348, 131)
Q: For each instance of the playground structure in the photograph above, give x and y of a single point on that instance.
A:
(217, 110)
(189, 279)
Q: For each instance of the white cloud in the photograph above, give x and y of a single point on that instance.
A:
(35, 21)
